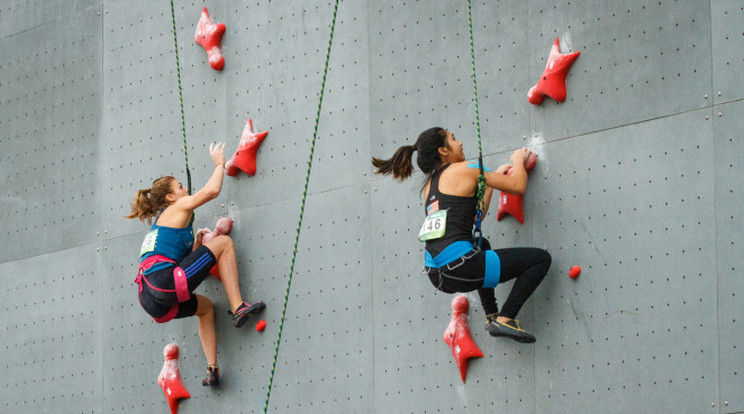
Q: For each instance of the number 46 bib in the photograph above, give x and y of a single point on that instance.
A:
(434, 226)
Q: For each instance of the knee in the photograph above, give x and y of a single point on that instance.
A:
(219, 244)
(546, 258)
(205, 307)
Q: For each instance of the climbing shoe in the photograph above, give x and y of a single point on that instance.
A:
(510, 329)
(213, 377)
(245, 311)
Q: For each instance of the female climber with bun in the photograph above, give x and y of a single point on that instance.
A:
(174, 261)
(453, 262)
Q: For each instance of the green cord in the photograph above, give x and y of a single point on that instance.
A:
(180, 97)
(302, 211)
(481, 178)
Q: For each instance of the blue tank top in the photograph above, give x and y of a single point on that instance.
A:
(170, 242)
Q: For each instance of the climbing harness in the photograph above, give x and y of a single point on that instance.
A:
(302, 209)
(180, 97)
(179, 276)
(477, 234)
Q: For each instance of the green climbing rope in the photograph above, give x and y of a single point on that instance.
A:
(302, 210)
(481, 177)
(180, 97)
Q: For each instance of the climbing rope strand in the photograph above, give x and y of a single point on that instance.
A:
(180, 96)
(302, 210)
(481, 177)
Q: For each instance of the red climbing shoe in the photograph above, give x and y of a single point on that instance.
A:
(245, 311)
(213, 377)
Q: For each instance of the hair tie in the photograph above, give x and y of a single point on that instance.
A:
(413, 147)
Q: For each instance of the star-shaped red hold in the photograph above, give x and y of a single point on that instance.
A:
(458, 337)
(245, 156)
(209, 35)
(510, 203)
(170, 378)
(552, 83)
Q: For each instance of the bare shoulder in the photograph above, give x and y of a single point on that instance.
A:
(174, 216)
(461, 170)
(458, 180)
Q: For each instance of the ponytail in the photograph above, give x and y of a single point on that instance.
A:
(149, 201)
(400, 165)
(428, 158)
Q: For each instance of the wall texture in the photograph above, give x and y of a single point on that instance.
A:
(638, 182)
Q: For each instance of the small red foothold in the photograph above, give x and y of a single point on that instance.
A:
(261, 325)
(574, 272)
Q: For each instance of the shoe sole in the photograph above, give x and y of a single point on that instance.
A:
(517, 337)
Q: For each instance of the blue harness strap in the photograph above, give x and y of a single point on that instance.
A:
(493, 269)
(451, 253)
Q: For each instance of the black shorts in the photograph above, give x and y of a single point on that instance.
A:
(157, 303)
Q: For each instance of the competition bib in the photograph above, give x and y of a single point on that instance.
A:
(434, 226)
(148, 244)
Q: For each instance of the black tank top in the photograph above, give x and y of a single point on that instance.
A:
(461, 213)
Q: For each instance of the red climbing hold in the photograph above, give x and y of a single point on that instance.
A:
(510, 203)
(552, 83)
(245, 156)
(458, 337)
(574, 272)
(223, 226)
(170, 378)
(209, 35)
(261, 325)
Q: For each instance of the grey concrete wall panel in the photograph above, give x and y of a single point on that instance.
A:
(343, 131)
(50, 98)
(141, 136)
(727, 19)
(638, 182)
(502, 72)
(419, 73)
(729, 225)
(50, 333)
(654, 211)
(637, 61)
(18, 16)
(325, 360)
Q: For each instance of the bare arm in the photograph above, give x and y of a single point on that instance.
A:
(212, 188)
(489, 190)
(516, 183)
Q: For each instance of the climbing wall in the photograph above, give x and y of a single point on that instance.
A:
(638, 182)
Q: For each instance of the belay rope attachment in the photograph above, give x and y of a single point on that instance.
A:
(180, 97)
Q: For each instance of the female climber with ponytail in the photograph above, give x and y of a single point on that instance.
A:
(453, 262)
(174, 261)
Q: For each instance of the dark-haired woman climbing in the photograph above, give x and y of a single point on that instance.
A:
(173, 262)
(453, 262)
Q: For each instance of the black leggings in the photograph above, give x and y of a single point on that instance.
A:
(528, 265)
